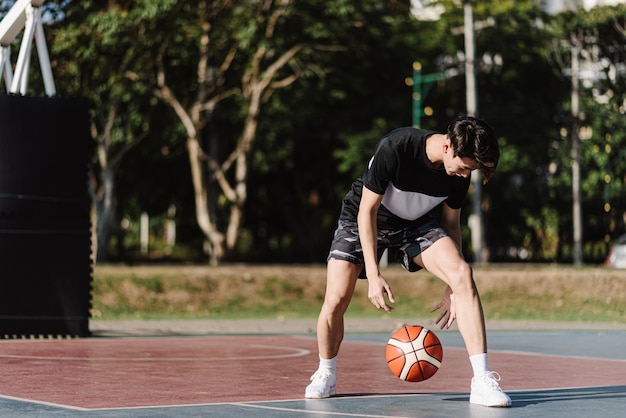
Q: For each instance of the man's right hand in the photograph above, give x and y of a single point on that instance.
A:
(377, 288)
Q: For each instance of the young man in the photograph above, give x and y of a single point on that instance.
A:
(411, 173)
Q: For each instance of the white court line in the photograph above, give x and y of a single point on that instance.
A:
(55, 405)
(295, 352)
(323, 412)
(258, 404)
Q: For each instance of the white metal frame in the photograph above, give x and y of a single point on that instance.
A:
(26, 15)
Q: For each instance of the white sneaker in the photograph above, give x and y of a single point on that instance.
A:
(323, 384)
(486, 391)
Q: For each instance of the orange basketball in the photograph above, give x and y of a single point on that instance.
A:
(414, 353)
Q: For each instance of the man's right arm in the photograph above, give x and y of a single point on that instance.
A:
(366, 220)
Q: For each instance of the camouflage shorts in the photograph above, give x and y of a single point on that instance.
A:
(403, 245)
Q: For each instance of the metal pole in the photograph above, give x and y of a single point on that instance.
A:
(20, 81)
(576, 206)
(470, 76)
(476, 225)
(417, 94)
(421, 85)
(44, 57)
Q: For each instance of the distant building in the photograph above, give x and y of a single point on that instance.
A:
(428, 10)
(424, 10)
(557, 6)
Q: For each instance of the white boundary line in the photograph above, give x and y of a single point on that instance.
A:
(296, 352)
(33, 401)
(263, 404)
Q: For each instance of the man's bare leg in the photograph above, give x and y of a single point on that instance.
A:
(444, 260)
(340, 282)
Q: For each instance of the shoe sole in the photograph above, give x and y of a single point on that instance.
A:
(333, 392)
(503, 404)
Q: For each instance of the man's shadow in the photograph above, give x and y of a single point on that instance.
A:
(526, 398)
(532, 397)
(574, 399)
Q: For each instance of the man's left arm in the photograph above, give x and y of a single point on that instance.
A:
(451, 223)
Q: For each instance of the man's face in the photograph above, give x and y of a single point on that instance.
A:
(461, 166)
(455, 165)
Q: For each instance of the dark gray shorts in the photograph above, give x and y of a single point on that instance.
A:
(402, 245)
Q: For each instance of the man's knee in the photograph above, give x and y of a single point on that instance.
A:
(340, 283)
(461, 278)
(336, 303)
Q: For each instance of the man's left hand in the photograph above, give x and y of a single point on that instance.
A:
(448, 310)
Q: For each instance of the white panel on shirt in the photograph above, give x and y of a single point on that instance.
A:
(409, 205)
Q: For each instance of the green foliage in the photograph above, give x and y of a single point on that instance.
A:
(317, 134)
(599, 33)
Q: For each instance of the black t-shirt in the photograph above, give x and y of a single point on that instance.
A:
(411, 186)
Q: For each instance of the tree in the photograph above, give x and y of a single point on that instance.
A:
(96, 51)
(519, 94)
(229, 38)
(599, 35)
(272, 127)
(320, 132)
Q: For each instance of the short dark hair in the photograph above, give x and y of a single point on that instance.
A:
(474, 138)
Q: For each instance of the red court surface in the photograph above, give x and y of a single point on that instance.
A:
(211, 373)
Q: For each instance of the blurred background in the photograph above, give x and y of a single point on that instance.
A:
(230, 130)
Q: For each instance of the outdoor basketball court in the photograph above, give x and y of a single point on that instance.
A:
(180, 373)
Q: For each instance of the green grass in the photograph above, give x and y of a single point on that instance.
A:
(198, 292)
(124, 295)
(545, 307)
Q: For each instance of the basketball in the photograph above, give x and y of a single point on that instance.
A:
(414, 353)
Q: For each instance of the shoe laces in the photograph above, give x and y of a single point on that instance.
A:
(322, 375)
(492, 379)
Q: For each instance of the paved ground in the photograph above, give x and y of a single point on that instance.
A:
(307, 326)
(260, 367)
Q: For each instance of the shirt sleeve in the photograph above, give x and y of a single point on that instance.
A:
(381, 168)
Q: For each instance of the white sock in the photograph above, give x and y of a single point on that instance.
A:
(479, 364)
(328, 363)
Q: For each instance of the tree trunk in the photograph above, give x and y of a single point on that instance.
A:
(105, 214)
(258, 82)
(201, 193)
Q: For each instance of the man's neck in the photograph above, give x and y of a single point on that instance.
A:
(434, 149)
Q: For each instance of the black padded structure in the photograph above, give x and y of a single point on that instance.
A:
(45, 226)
